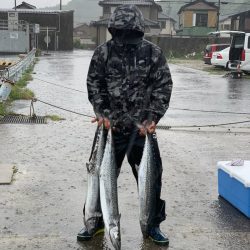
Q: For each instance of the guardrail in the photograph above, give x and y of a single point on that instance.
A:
(11, 74)
(15, 71)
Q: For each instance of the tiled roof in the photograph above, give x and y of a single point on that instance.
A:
(211, 5)
(164, 16)
(36, 11)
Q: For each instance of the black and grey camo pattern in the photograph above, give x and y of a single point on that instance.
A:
(129, 83)
(127, 17)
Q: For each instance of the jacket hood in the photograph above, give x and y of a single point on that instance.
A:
(127, 17)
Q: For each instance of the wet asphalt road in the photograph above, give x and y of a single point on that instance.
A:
(42, 208)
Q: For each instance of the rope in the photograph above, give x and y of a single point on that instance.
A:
(213, 111)
(68, 110)
(184, 109)
(59, 85)
(201, 126)
(32, 109)
(164, 127)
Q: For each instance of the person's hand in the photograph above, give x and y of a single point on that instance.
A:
(100, 121)
(147, 128)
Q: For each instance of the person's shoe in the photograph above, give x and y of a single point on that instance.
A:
(158, 237)
(84, 235)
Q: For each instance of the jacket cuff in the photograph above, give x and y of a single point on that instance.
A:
(152, 116)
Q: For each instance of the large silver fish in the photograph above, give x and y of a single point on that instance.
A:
(146, 180)
(108, 192)
(92, 209)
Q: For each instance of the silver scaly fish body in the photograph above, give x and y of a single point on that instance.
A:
(108, 193)
(92, 204)
(146, 179)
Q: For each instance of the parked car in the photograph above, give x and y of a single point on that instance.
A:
(210, 48)
(221, 58)
(239, 53)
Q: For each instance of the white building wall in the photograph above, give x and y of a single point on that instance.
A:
(14, 41)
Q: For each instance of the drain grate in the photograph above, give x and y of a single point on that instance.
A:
(22, 119)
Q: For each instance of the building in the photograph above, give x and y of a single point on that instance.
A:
(149, 9)
(52, 27)
(241, 21)
(167, 24)
(85, 34)
(225, 23)
(197, 18)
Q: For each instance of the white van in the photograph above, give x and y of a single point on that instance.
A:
(239, 54)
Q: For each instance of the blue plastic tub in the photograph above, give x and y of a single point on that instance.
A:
(234, 185)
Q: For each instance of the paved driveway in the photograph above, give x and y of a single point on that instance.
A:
(42, 208)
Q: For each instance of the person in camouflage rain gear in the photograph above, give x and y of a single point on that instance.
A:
(129, 85)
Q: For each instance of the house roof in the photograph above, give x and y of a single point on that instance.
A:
(36, 11)
(104, 22)
(162, 16)
(135, 2)
(189, 6)
(240, 13)
(25, 5)
(78, 25)
(225, 19)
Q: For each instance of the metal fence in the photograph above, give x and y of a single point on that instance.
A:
(15, 72)
(11, 74)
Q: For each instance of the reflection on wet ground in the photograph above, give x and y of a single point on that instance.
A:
(43, 207)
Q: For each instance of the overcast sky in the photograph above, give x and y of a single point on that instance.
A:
(38, 3)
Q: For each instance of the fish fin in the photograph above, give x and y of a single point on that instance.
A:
(90, 167)
(87, 166)
(137, 167)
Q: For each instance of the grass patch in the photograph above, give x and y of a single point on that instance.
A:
(2, 109)
(20, 93)
(19, 90)
(55, 118)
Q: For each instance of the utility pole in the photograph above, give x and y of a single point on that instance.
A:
(218, 17)
(15, 5)
(60, 4)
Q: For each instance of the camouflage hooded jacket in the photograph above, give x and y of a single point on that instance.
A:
(129, 83)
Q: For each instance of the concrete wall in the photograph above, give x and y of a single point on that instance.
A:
(182, 46)
(14, 41)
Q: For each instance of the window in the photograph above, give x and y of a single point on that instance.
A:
(248, 46)
(238, 41)
(106, 10)
(201, 19)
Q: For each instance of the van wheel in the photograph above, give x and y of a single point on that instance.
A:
(246, 72)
